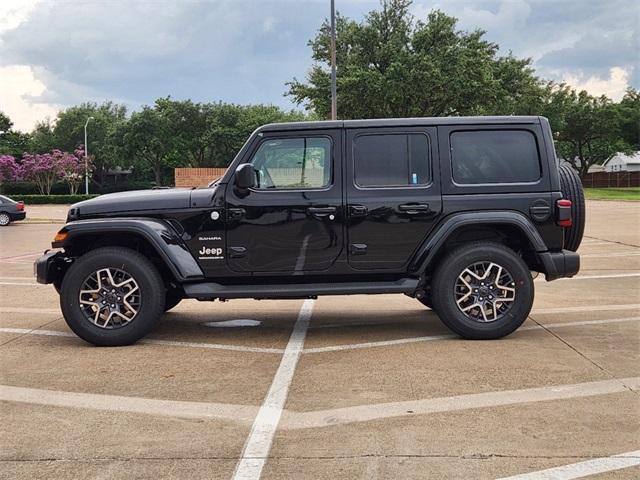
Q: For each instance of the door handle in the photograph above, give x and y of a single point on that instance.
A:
(236, 213)
(321, 211)
(358, 210)
(414, 209)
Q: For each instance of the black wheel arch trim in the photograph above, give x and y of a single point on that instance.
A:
(160, 235)
(426, 252)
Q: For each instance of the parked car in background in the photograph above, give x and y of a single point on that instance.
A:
(10, 211)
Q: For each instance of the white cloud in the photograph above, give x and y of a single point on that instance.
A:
(17, 84)
(613, 87)
(14, 12)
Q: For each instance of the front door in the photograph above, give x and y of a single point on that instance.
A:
(393, 194)
(292, 220)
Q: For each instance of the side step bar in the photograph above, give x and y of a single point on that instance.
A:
(209, 291)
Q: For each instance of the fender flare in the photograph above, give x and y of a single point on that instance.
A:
(425, 253)
(160, 235)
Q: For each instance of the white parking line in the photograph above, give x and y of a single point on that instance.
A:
(583, 469)
(587, 308)
(151, 341)
(258, 444)
(429, 338)
(366, 413)
(117, 403)
(291, 420)
(331, 348)
(632, 253)
(592, 277)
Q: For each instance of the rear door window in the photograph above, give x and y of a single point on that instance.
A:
(494, 156)
(391, 160)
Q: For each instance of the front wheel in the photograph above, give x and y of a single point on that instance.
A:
(112, 296)
(483, 291)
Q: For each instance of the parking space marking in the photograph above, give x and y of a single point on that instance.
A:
(330, 348)
(588, 308)
(117, 403)
(276, 417)
(151, 341)
(365, 413)
(593, 277)
(583, 469)
(633, 253)
(449, 336)
(47, 311)
(258, 444)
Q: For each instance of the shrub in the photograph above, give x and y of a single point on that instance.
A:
(58, 199)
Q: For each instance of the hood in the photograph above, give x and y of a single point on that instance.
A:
(135, 201)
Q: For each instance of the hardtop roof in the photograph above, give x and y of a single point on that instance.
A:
(402, 122)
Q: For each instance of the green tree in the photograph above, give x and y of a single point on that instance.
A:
(68, 133)
(392, 65)
(629, 110)
(587, 129)
(149, 140)
(12, 142)
(229, 126)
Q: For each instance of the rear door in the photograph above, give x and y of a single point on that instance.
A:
(393, 194)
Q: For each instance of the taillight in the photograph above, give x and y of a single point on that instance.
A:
(564, 213)
(20, 206)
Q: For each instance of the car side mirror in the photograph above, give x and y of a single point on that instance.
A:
(245, 177)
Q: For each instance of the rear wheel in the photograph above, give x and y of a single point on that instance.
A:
(112, 296)
(5, 219)
(571, 187)
(482, 291)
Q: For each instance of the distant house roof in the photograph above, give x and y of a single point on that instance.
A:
(633, 159)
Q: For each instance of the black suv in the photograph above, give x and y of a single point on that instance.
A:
(457, 212)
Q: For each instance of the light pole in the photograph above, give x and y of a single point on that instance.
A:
(86, 158)
(334, 100)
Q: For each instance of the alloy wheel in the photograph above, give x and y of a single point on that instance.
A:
(485, 291)
(110, 298)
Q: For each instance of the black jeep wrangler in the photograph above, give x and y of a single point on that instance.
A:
(457, 212)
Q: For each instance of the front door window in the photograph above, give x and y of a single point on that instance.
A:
(293, 163)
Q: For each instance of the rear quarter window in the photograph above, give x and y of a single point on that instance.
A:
(494, 156)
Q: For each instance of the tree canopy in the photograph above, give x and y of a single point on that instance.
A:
(392, 65)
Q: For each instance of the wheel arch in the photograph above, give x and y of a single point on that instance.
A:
(153, 238)
(510, 228)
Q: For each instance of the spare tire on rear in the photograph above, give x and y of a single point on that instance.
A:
(571, 187)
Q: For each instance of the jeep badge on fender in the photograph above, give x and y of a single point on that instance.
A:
(455, 212)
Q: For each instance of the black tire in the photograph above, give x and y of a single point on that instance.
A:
(172, 298)
(571, 187)
(444, 295)
(151, 288)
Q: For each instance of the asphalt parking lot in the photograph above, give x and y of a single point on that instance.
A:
(341, 387)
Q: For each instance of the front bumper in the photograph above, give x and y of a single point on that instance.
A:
(564, 263)
(50, 267)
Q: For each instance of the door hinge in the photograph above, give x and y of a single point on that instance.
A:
(237, 252)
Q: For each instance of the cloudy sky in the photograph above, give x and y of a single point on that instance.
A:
(55, 54)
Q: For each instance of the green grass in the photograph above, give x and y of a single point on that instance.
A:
(631, 193)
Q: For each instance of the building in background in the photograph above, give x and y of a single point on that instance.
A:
(623, 163)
